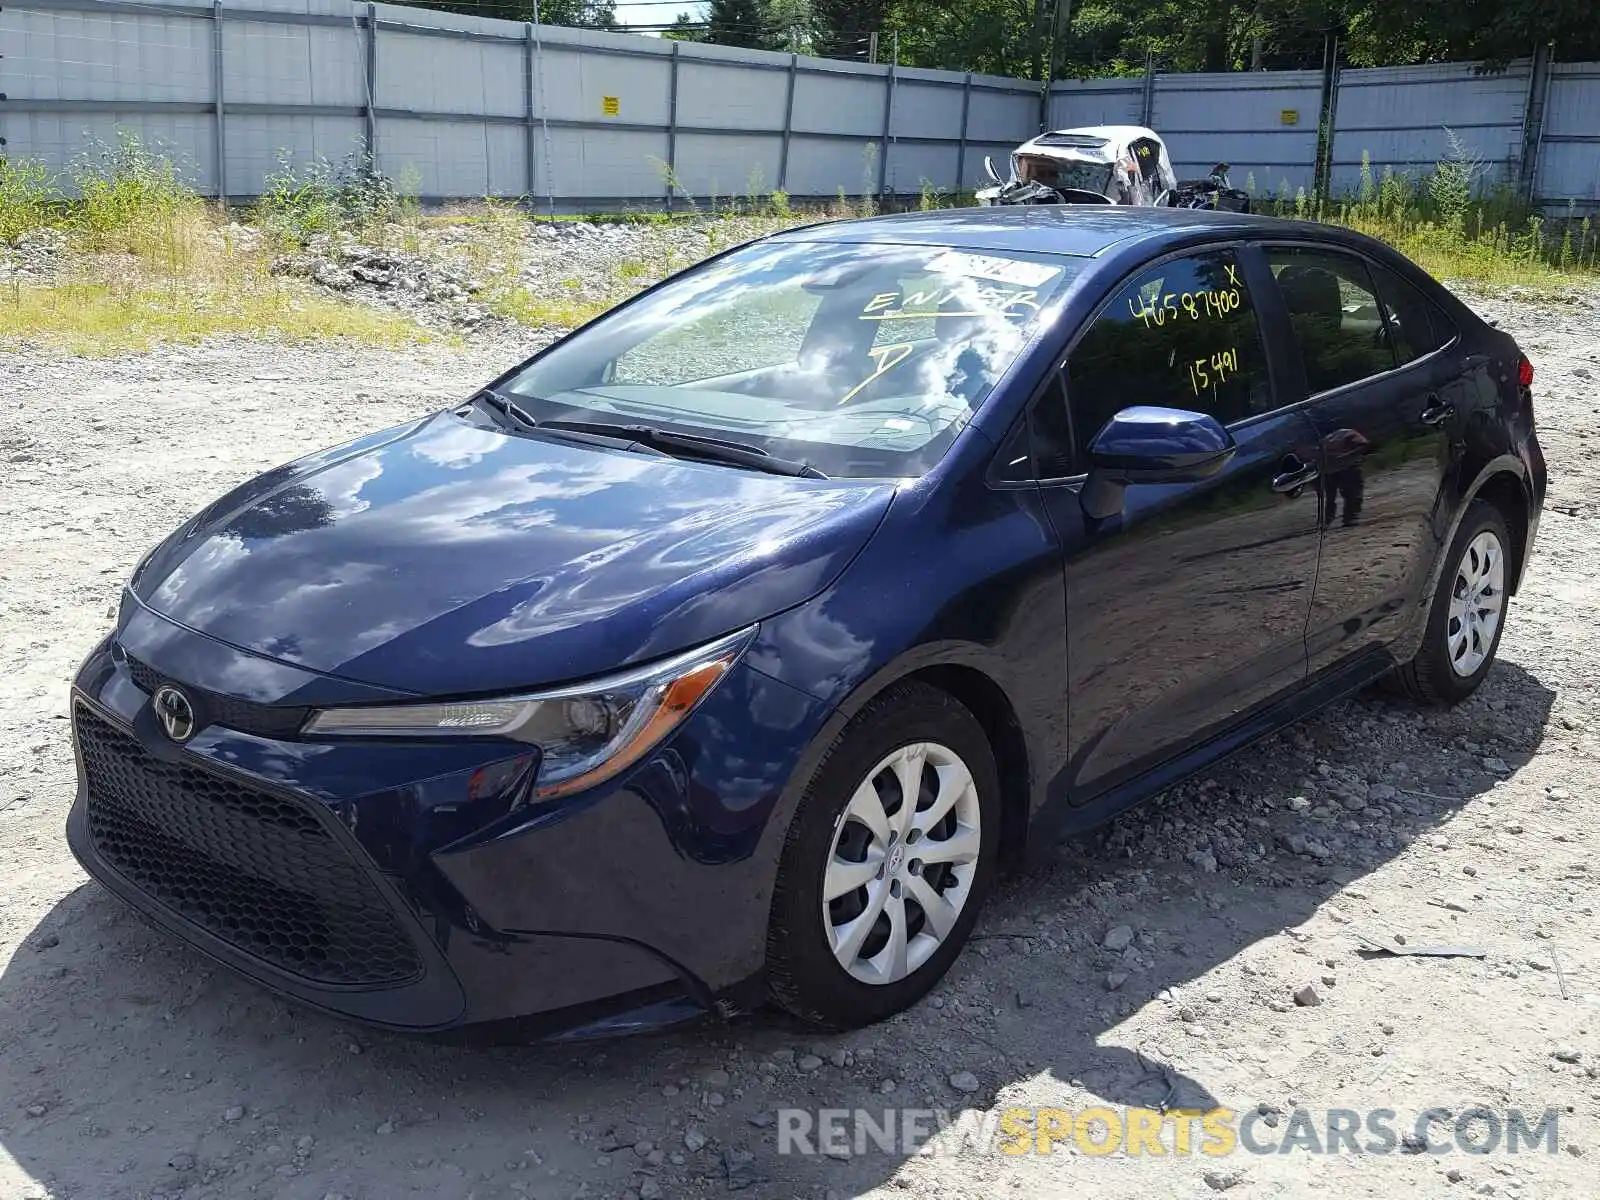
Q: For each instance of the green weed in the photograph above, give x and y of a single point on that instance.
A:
(29, 199)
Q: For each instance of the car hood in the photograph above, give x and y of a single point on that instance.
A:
(444, 557)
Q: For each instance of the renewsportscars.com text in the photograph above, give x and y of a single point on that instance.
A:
(1216, 1132)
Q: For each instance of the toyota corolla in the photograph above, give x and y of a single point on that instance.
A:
(722, 652)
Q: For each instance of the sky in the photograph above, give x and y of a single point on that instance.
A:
(655, 14)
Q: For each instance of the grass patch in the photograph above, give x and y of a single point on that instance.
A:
(28, 198)
(1498, 258)
(302, 200)
(1476, 247)
(544, 312)
(1456, 226)
(133, 201)
(154, 262)
(94, 318)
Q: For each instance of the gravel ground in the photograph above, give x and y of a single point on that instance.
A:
(1199, 951)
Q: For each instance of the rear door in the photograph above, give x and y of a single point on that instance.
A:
(1382, 383)
(1188, 610)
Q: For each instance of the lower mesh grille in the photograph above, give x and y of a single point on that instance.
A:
(259, 871)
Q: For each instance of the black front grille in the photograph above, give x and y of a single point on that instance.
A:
(257, 870)
(213, 708)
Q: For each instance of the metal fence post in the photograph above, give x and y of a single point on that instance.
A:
(530, 177)
(1533, 123)
(1147, 102)
(788, 124)
(672, 127)
(888, 121)
(1327, 126)
(370, 112)
(961, 146)
(216, 93)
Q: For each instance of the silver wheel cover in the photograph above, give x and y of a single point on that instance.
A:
(901, 864)
(1477, 601)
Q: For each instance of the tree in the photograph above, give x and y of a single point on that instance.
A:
(738, 23)
(1114, 37)
(791, 23)
(587, 14)
(843, 26)
(1494, 31)
(685, 29)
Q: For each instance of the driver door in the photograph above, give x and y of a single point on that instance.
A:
(1186, 612)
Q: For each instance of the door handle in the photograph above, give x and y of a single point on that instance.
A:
(1295, 477)
(1437, 411)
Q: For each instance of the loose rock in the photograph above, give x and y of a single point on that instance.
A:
(1119, 937)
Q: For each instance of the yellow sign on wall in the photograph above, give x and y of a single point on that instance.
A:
(610, 105)
(1289, 116)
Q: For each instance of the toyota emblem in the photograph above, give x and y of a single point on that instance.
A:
(175, 713)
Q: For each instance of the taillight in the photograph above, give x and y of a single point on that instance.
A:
(1525, 372)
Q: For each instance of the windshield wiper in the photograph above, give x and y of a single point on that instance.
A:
(519, 418)
(507, 408)
(689, 445)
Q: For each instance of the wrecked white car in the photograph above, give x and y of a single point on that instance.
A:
(1105, 164)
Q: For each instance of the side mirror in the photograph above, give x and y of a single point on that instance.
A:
(1152, 445)
(988, 169)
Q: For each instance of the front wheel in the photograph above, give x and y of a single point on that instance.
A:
(1468, 613)
(890, 854)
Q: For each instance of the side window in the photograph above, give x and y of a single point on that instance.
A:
(1014, 463)
(1416, 326)
(1040, 445)
(1050, 431)
(1180, 335)
(1144, 150)
(1334, 311)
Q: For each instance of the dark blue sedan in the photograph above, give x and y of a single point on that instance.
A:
(726, 649)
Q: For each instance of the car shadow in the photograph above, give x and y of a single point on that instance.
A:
(137, 1068)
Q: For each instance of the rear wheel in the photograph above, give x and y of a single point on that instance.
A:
(1468, 613)
(887, 861)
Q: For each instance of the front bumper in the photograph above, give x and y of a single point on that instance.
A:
(412, 885)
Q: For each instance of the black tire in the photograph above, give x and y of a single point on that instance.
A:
(803, 975)
(1429, 677)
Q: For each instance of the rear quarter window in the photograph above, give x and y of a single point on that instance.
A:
(1417, 326)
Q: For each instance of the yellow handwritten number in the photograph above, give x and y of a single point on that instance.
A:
(1211, 303)
(1219, 368)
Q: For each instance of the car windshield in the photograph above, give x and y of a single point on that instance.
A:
(861, 360)
(1074, 174)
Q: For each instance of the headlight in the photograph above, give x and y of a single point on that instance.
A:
(587, 732)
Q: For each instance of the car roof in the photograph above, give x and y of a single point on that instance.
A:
(1082, 230)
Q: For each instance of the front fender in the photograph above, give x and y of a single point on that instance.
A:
(858, 688)
(961, 577)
